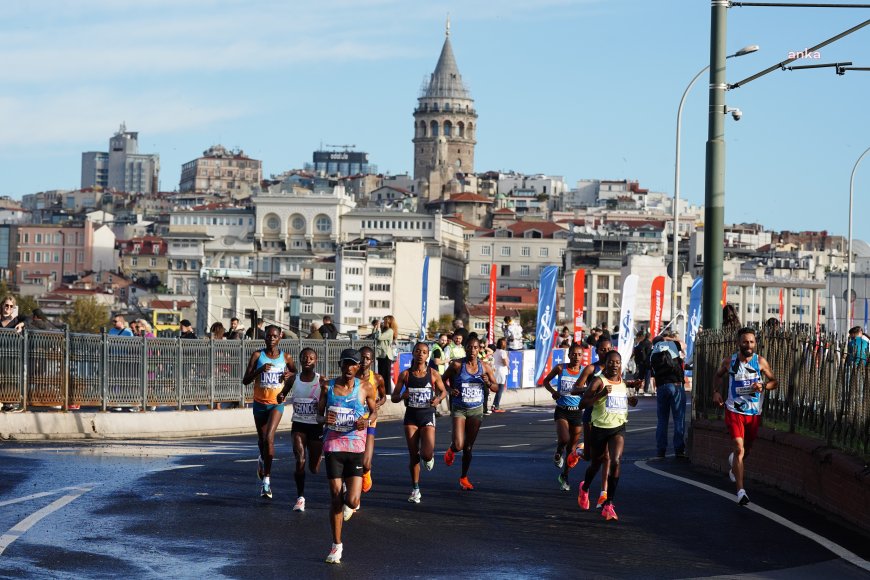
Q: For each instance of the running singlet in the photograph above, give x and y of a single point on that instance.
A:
(742, 396)
(268, 384)
(343, 435)
(374, 385)
(566, 382)
(611, 411)
(470, 387)
(304, 399)
(420, 391)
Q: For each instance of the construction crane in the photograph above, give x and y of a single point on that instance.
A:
(345, 147)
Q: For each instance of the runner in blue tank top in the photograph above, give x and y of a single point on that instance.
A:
(568, 415)
(467, 378)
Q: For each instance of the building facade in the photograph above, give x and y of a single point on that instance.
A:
(220, 170)
(122, 168)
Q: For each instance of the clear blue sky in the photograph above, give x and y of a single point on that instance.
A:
(579, 88)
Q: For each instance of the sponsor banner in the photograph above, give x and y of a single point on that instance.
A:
(425, 300)
(528, 370)
(656, 304)
(515, 369)
(579, 303)
(490, 336)
(546, 320)
(560, 356)
(781, 307)
(626, 318)
(694, 315)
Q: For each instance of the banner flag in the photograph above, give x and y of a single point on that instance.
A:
(626, 319)
(759, 308)
(781, 307)
(490, 336)
(546, 320)
(579, 303)
(724, 294)
(834, 311)
(425, 298)
(694, 315)
(656, 303)
(866, 312)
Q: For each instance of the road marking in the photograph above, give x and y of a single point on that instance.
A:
(493, 426)
(388, 438)
(174, 467)
(21, 527)
(42, 494)
(390, 454)
(640, 429)
(252, 460)
(542, 420)
(837, 549)
(517, 445)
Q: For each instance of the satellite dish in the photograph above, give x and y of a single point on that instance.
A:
(854, 295)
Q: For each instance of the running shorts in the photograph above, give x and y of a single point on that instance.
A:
(573, 416)
(313, 432)
(420, 417)
(264, 409)
(742, 426)
(472, 413)
(601, 435)
(343, 464)
(587, 415)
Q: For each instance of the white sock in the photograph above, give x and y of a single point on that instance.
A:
(266, 480)
(336, 546)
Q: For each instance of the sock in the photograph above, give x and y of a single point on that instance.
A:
(416, 485)
(612, 482)
(266, 480)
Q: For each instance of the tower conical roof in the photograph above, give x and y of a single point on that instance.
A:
(446, 82)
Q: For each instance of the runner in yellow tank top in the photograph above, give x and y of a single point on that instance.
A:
(367, 356)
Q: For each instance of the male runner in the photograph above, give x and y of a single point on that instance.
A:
(306, 431)
(610, 399)
(269, 369)
(367, 357)
(742, 374)
(568, 415)
(422, 390)
(343, 405)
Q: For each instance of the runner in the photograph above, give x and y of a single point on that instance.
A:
(342, 405)
(367, 357)
(568, 415)
(467, 378)
(610, 399)
(422, 390)
(269, 370)
(307, 433)
(742, 376)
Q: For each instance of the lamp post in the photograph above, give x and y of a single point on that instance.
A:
(849, 247)
(675, 282)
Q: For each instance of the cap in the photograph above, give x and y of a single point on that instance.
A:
(186, 322)
(350, 354)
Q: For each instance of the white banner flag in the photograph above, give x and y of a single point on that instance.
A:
(626, 318)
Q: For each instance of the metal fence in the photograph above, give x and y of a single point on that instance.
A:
(821, 393)
(50, 369)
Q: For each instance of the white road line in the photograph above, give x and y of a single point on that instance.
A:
(837, 549)
(174, 467)
(517, 445)
(542, 420)
(42, 494)
(639, 429)
(21, 527)
(252, 460)
(493, 426)
(390, 454)
(388, 438)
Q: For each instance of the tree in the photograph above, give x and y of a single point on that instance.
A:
(26, 305)
(86, 315)
(436, 327)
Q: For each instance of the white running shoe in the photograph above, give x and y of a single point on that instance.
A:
(730, 470)
(415, 496)
(300, 504)
(266, 490)
(558, 460)
(347, 512)
(429, 464)
(563, 483)
(334, 556)
(742, 498)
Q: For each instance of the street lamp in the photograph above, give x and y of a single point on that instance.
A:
(849, 252)
(674, 270)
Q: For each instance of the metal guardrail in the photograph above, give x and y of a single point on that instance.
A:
(820, 393)
(50, 369)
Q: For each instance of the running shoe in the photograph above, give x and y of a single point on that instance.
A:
(449, 456)
(574, 456)
(300, 504)
(557, 460)
(583, 499)
(742, 498)
(266, 490)
(367, 481)
(731, 468)
(430, 465)
(260, 469)
(465, 484)
(334, 554)
(563, 483)
(347, 512)
(415, 496)
(498, 410)
(608, 513)
(602, 497)
(488, 412)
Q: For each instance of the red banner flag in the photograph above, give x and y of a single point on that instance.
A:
(490, 336)
(579, 303)
(780, 306)
(724, 294)
(656, 304)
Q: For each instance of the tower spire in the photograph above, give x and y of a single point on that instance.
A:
(447, 29)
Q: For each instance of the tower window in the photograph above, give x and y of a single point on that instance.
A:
(434, 129)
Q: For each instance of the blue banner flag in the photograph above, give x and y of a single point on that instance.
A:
(546, 321)
(425, 298)
(866, 312)
(694, 322)
(515, 369)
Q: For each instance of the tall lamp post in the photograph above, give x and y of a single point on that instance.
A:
(675, 281)
(849, 250)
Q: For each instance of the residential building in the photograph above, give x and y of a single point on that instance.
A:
(221, 170)
(312, 296)
(220, 298)
(341, 163)
(144, 260)
(122, 168)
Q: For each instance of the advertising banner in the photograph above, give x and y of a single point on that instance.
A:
(579, 303)
(626, 319)
(546, 320)
(425, 301)
(656, 304)
(515, 369)
(490, 336)
(694, 315)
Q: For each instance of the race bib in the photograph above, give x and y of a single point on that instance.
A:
(566, 384)
(345, 419)
(746, 389)
(305, 410)
(420, 398)
(272, 379)
(471, 393)
(616, 404)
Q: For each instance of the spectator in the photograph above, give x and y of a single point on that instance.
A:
(119, 327)
(730, 318)
(236, 332)
(642, 351)
(134, 328)
(666, 362)
(187, 329)
(858, 347)
(9, 320)
(258, 332)
(315, 333)
(513, 332)
(38, 322)
(438, 359)
(384, 350)
(217, 331)
(455, 350)
(459, 328)
(328, 330)
(376, 329)
(144, 328)
(501, 366)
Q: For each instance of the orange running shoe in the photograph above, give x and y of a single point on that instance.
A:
(574, 456)
(602, 497)
(367, 481)
(449, 456)
(609, 513)
(583, 499)
(465, 484)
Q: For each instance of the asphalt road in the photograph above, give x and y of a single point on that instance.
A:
(191, 509)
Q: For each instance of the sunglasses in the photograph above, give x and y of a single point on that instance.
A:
(8, 306)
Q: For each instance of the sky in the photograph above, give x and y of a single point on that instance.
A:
(585, 89)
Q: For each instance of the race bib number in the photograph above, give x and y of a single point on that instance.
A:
(472, 393)
(566, 385)
(746, 389)
(305, 410)
(616, 404)
(420, 398)
(272, 379)
(345, 419)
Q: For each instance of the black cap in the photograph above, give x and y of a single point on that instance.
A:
(185, 322)
(351, 355)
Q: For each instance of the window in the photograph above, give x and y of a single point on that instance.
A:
(380, 287)
(37, 239)
(37, 256)
(134, 262)
(353, 287)
(602, 299)
(506, 251)
(323, 224)
(330, 308)
(153, 262)
(561, 252)
(773, 309)
(308, 291)
(272, 222)
(307, 308)
(298, 223)
(227, 312)
(543, 252)
(603, 283)
(505, 270)
(484, 288)
(379, 303)
(524, 270)
(753, 308)
(484, 269)
(353, 271)
(330, 274)
(381, 272)
(526, 252)
(485, 250)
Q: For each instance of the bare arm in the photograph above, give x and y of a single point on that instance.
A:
(772, 382)
(489, 378)
(381, 390)
(252, 370)
(721, 380)
(579, 386)
(554, 372)
(596, 391)
(448, 375)
(288, 386)
(371, 401)
(400, 392)
(321, 401)
(440, 391)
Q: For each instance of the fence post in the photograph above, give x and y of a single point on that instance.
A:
(143, 375)
(244, 364)
(178, 369)
(25, 354)
(104, 376)
(211, 374)
(66, 368)
(797, 362)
